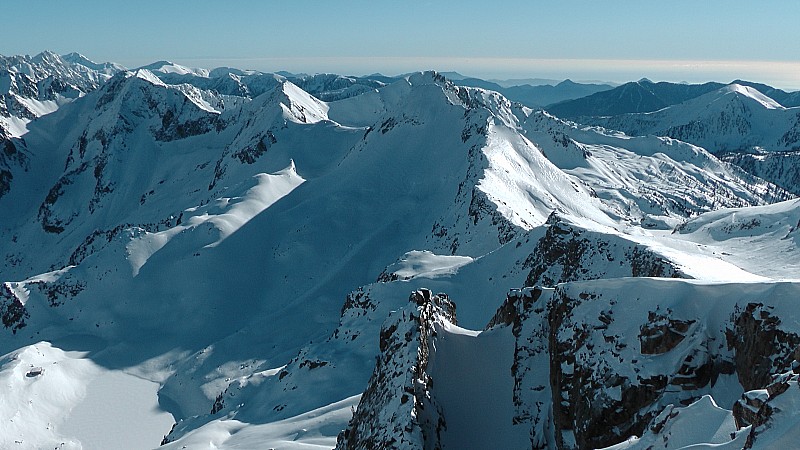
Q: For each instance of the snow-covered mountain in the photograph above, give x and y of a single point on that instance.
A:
(227, 259)
(782, 168)
(633, 97)
(736, 122)
(32, 86)
(250, 84)
(733, 118)
(645, 96)
(538, 95)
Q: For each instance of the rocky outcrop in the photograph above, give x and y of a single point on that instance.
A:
(397, 410)
(761, 347)
(12, 311)
(661, 334)
(569, 253)
(12, 159)
(524, 310)
(763, 409)
(611, 372)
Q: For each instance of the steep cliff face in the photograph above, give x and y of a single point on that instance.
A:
(764, 418)
(768, 416)
(12, 310)
(397, 409)
(13, 158)
(596, 363)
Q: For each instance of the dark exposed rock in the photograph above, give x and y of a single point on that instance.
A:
(755, 408)
(172, 129)
(219, 404)
(5, 181)
(12, 158)
(516, 301)
(358, 301)
(597, 392)
(661, 333)
(568, 253)
(480, 207)
(49, 217)
(250, 154)
(12, 311)
(581, 405)
(780, 168)
(60, 291)
(761, 347)
(397, 410)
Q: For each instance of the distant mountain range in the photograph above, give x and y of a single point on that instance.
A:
(646, 96)
(541, 95)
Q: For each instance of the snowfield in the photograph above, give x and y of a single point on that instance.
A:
(61, 399)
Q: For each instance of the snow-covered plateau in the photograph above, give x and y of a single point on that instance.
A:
(233, 259)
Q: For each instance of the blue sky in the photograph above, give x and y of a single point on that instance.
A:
(612, 40)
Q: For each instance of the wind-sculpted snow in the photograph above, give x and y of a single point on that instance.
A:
(241, 243)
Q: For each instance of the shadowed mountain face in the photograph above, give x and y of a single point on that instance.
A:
(634, 97)
(646, 96)
(539, 95)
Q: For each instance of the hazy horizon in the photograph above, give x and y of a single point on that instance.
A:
(777, 74)
(619, 41)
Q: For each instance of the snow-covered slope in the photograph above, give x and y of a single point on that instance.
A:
(737, 122)
(247, 256)
(655, 180)
(733, 118)
(153, 192)
(781, 168)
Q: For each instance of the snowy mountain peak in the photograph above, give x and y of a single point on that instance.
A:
(148, 76)
(753, 94)
(172, 68)
(31, 87)
(427, 77)
(109, 68)
(48, 57)
(732, 118)
(302, 107)
(225, 71)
